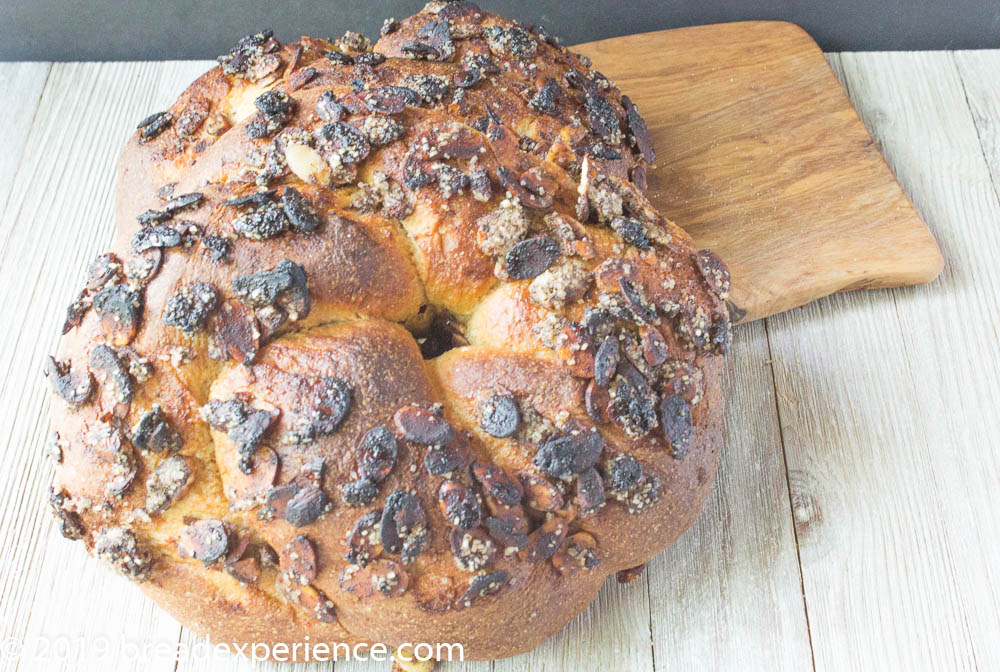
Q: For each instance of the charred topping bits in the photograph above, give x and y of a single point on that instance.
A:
(639, 134)
(675, 417)
(606, 360)
(110, 368)
(261, 218)
(252, 57)
(360, 492)
(622, 472)
(153, 125)
(578, 552)
(166, 483)
(345, 141)
(119, 547)
(306, 505)
(76, 389)
(499, 415)
(298, 210)
(328, 403)
(190, 307)
(530, 258)
(442, 460)
(364, 541)
(70, 525)
(217, 248)
(484, 585)
(204, 540)
(433, 42)
(298, 561)
(473, 550)
(157, 235)
(569, 454)
(459, 505)
(120, 308)
(278, 295)
(377, 452)
(423, 426)
(154, 434)
(404, 526)
(514, 41)
(715, 272)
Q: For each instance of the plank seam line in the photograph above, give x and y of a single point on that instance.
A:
(24, 143)
(788, 488)
(180, 638)
(975, 125)
(649, 605)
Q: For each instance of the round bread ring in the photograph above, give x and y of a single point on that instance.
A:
(218, 382)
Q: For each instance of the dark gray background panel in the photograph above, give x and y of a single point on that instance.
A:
(182, 29)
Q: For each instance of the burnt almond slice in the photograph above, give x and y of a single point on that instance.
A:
(459, 505)
(640, 133)
(569, 454)
(589, 492)
(307, 505)
(298, 560)
(120, 308)
(377, 452)
(540, 493)
(364, 543)
(484, 585)
(654, 347)
(238, 548)
(246, 570)
(498, 485)
(606, 360)
(507, 535)
(317, 604)
(423, 426)
(388, 577)
(675, 417)
(384, 576)
(238, 330)
(531, 257)
(579, 552)
(166, 483)
(622, 472)
(597, 400)
(360, 492)
(545, 541)
(404, 525)
(277, 499)
(715, 272)
(204, 540)
(443, 460)
(74, 389)
(499, 415)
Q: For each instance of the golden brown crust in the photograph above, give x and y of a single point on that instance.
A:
(391, 346)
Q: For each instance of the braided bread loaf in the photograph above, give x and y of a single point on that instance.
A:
(391, 345)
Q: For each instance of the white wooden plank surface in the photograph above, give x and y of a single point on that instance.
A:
(22, 85)
(57, 218)
(727, 595)
(886, 402)
(880, 479)
(980, 73)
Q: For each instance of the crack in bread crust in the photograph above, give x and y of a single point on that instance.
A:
(391, 346)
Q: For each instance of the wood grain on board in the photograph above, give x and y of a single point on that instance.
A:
(761, 157)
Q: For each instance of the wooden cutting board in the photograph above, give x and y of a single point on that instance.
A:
(761, 157)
